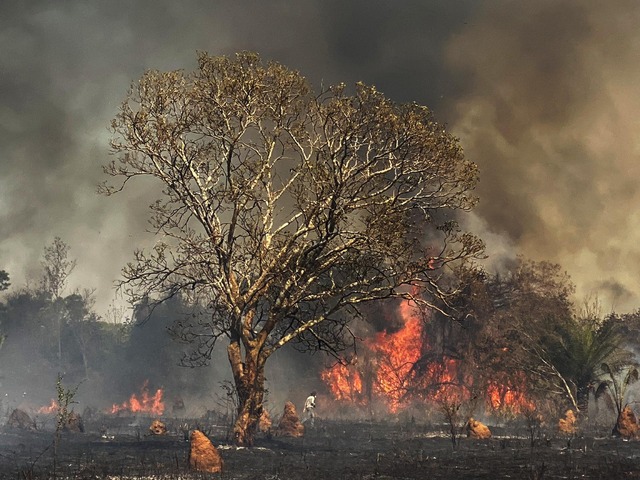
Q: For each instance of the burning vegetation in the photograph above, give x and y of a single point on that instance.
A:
(143, 402)
(460, 379)
(522, 350)
(402, 368)
(338, 202)
(499, 361)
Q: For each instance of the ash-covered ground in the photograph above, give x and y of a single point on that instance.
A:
(121, 448)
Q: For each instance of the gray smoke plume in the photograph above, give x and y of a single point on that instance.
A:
(66, 66)
(549, 110)
(542, 94)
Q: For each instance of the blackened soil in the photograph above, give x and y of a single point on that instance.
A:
(331, 450)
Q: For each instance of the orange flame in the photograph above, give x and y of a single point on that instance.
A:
(509, 397)
(142, 403)
(397, 355)
(444, 381)
(345, 383)
(51, 408)
(393, 374)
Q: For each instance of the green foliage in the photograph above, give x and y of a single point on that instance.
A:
(567, 353)
(65, 398)
(24, 320)
(579, 347)
(31, 346)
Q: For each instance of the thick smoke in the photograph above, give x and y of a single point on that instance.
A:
(67, 66)
(548, 109)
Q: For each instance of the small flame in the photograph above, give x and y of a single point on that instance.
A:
(142, 403)
(509, 397)
(51, 408)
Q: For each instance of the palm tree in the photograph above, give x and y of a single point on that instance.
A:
(617, 384)
(578, 349)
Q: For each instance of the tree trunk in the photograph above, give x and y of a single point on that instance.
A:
(582, 400)
(248, 376)
(85, 362)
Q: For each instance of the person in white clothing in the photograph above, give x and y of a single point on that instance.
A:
(309, 409)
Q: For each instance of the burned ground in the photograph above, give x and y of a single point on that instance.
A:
(122, 448)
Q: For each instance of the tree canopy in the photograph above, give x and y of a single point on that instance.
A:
(283, 209)
(524, 328)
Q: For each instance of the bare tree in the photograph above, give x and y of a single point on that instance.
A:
(57, 266)
(284, 209)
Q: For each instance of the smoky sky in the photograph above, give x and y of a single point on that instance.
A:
(541, 94)
(550, 113)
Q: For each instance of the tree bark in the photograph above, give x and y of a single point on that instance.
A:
(582, 400)
(248, 376)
